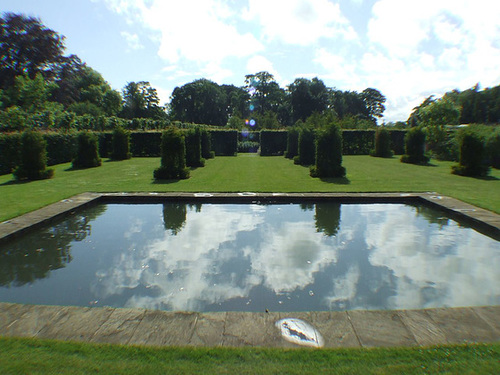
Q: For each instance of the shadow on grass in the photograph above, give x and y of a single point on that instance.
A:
(15, 182)
(71, 169)
(165, 182)
(337, 180)
(484, 178)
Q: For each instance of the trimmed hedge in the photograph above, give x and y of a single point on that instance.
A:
(87, 154)
(61, 146)
(493, 149)
(193, 148)
(145, 144)
(398, 141)
(224, 142)
(382, 144)
(292, 142)
(33, 158)
(329, 153)
(121, 144)
(173, 156)
(10, 146)
(357, 142)
(272, 142)
(307, 147)
(415, 147)
(472, 152)
(206, 144)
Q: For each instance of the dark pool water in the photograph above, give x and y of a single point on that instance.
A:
(250, 257)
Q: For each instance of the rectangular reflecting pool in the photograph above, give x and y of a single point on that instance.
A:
(253, 257)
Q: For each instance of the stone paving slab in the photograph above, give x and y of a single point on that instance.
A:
(209, 330)
(381, 328)
(75, 324)
(463, 325)
(33, 320)
(160, 328)
(423, 328)
(238, 329)
(251, 329)
(490, 314)
(119, 327)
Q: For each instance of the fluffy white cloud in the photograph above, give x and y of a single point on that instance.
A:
(433, 268)
(431, 47)
(197, 30)
(299, 22)
(406, 49)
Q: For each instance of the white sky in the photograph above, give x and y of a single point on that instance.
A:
(406, 49)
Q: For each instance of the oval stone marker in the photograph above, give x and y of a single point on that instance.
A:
(300, 332)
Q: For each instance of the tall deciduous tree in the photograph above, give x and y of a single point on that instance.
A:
(374, 102)
(200, 102)
(440, 112)
(348, 104)
(266, 94)
(140, 100)
(307, 96)
(27, 47)
(93, 90)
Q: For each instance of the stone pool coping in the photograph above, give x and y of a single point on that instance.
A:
(346, 329)
(339, 329)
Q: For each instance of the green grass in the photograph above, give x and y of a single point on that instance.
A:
(31, 356)
(249, 172)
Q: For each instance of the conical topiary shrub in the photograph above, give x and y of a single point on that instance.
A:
(173, 156)
(33, 162)
(307, 147)
(415, 147)
(471, 159)
(193, 148)
(87, 154)
(382, 144)
(329, 153)
(121, 144)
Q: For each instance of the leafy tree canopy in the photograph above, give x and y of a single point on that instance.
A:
(27, 47)
(140, 100)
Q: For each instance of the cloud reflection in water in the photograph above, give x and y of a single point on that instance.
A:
(382, 256)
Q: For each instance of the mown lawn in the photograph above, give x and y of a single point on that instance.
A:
(30, 356)
(249, 172)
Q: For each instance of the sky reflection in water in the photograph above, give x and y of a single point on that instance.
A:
(248, 257)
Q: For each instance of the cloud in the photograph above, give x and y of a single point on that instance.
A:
(341, 71)
(432, 267)
(299, 22)
(196, 30)
(406, 49)
(259, 63)
(415, 49)
(384, 256)
(132, 40)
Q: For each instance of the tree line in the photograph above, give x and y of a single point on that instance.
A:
(472, 106)
(41, 87)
